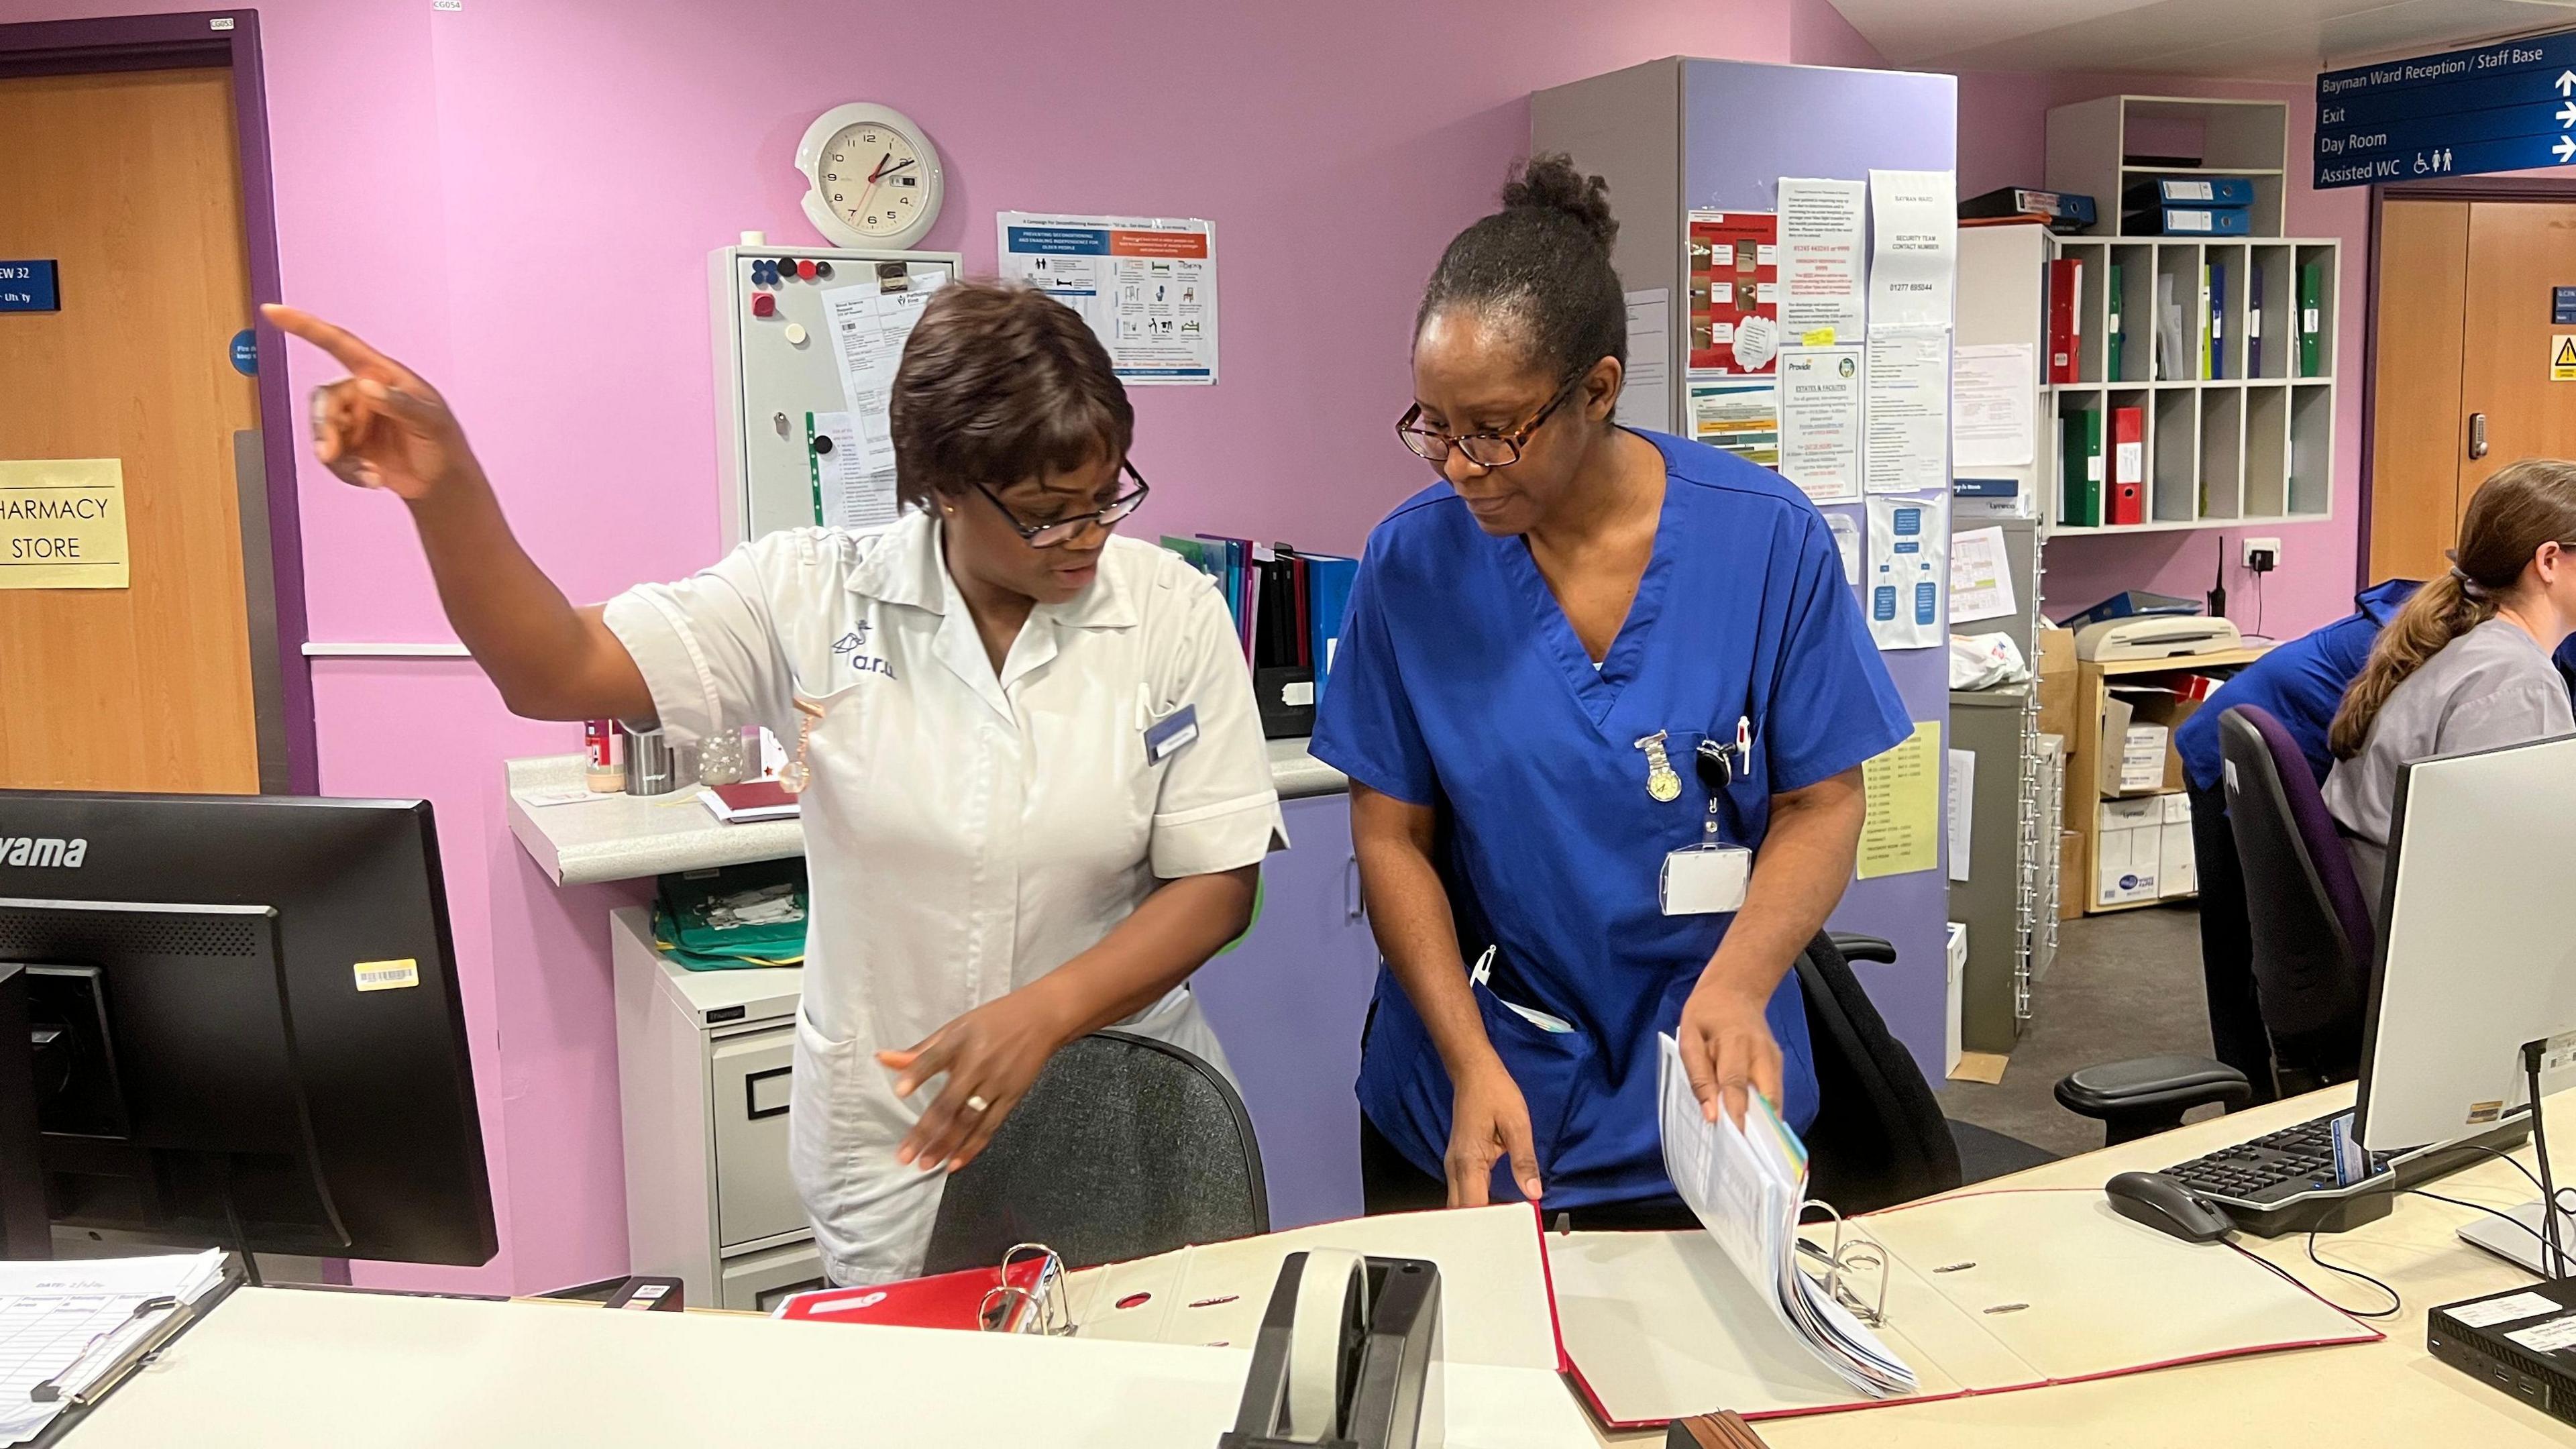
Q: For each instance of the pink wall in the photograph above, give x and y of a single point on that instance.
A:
(518, 200)
(2003, 136)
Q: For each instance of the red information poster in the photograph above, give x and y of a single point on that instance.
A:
(1734, 290)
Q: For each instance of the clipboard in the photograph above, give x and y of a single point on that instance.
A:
(139, 1354)
(1987, 1292)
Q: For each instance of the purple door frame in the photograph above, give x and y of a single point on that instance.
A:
(229, 39)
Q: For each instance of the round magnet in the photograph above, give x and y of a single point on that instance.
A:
(823, 270)
(764, 304)
(822, 442)
(795, 334)
(805, 269)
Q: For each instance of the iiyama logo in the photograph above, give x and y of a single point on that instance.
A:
(43, 850)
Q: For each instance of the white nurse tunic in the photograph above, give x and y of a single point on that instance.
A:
(965, 832)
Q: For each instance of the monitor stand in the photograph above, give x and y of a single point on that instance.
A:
(25, 1230)
(2518, 1241)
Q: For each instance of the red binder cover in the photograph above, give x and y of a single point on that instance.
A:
(950, 1300)
(2065, 318)
(2128, 465)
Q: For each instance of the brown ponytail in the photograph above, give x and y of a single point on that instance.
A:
(2520, 507)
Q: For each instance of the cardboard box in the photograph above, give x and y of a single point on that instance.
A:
(2070, 875)
(2178, 866)
(1951, 1047)
(2138, 757)
(2056, 671)
(2128, 851)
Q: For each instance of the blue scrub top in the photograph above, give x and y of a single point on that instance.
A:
(1459, 684)
(2300, 683)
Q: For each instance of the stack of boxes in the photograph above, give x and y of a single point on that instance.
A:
(2142, 845)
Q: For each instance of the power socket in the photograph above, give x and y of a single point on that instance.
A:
(2262, 555)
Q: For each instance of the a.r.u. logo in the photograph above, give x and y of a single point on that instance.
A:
(849, 645)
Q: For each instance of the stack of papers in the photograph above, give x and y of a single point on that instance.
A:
(1745, 1184)
(71, 1324)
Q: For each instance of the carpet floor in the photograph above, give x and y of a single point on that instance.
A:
(2123, 985)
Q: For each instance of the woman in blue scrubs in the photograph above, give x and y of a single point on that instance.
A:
(1537, 649)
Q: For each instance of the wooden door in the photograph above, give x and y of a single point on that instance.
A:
(132, 182)
(2464, 332)
(2517, 252)
(2416, 431)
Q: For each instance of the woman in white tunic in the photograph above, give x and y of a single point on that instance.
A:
(1038, 797)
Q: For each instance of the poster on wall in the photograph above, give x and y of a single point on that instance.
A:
(1820, 421)
(1738, 414)
(1914, 218)
(1907, 386)
(1734, 290)
(1909, 567)
(1823, 270)
(1147, 286)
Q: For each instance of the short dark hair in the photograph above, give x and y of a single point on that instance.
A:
(1541, 265)
(998, 383)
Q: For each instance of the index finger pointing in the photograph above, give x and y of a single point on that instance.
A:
(345, 346)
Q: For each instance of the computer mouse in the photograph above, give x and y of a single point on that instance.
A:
(2166, 1205)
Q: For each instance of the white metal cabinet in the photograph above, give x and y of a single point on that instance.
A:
(702, 1067)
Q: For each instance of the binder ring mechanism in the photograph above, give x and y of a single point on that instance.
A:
(1030, 1298)
(1847, 1261)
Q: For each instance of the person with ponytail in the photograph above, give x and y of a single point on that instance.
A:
(2466, 664)
(1603, 697)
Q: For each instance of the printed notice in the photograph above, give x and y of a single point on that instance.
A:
(852, 472)
(1821, 264)
(1820, 420)
(1980, 577)
(1908, 386)
(868, 326)
(1146, 285)
(1963, 810)
(1646, 396)
(1738, 414)
(1914, 216)
(1734, 284)
(1902, 833)
(1847, 543)
(1909, 561)
(1994, 391)
(62, 524)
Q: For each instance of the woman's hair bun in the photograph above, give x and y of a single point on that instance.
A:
(1549, 182)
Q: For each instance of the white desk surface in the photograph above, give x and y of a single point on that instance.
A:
(283, 1368)
(626, 837)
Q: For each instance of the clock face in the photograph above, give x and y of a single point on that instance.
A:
(873, 177)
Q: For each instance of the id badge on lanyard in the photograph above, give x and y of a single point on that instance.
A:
(1708, 878)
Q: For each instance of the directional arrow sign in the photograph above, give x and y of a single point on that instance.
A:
(2499, 107)
(2565, 148)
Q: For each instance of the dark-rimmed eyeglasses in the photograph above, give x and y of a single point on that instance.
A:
(1059, 530)
(1497, 449)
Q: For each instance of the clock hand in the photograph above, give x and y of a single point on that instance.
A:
(880, 171)
(890, 170)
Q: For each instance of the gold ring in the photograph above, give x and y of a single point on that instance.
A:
(977, 1104)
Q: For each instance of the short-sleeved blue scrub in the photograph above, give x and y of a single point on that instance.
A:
(1459, 684)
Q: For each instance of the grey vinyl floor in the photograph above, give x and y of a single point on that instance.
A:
(2123, 985)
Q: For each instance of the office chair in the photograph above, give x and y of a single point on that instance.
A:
(1879, 1137)
(2311, 925)
(2312, 934)
(1125, 1147)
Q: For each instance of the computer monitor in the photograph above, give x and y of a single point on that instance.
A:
(243, 1024)
(2478, 954)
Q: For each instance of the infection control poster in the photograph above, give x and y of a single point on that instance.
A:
(1147, 286)
(1734, 290)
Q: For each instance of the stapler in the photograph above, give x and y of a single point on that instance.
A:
(1348, 1357)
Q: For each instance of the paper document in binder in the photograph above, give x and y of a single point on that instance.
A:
(1983, 1293)
(1746, 1184)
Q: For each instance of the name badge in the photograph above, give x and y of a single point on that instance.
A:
(1703, 880)
(1165, 737)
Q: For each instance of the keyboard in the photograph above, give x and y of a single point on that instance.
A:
(2284, 1182)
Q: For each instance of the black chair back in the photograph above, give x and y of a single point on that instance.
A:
(2311, 930)
(1879, 1137)
(1125, 1147)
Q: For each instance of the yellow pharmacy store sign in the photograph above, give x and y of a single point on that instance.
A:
(62, 524)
